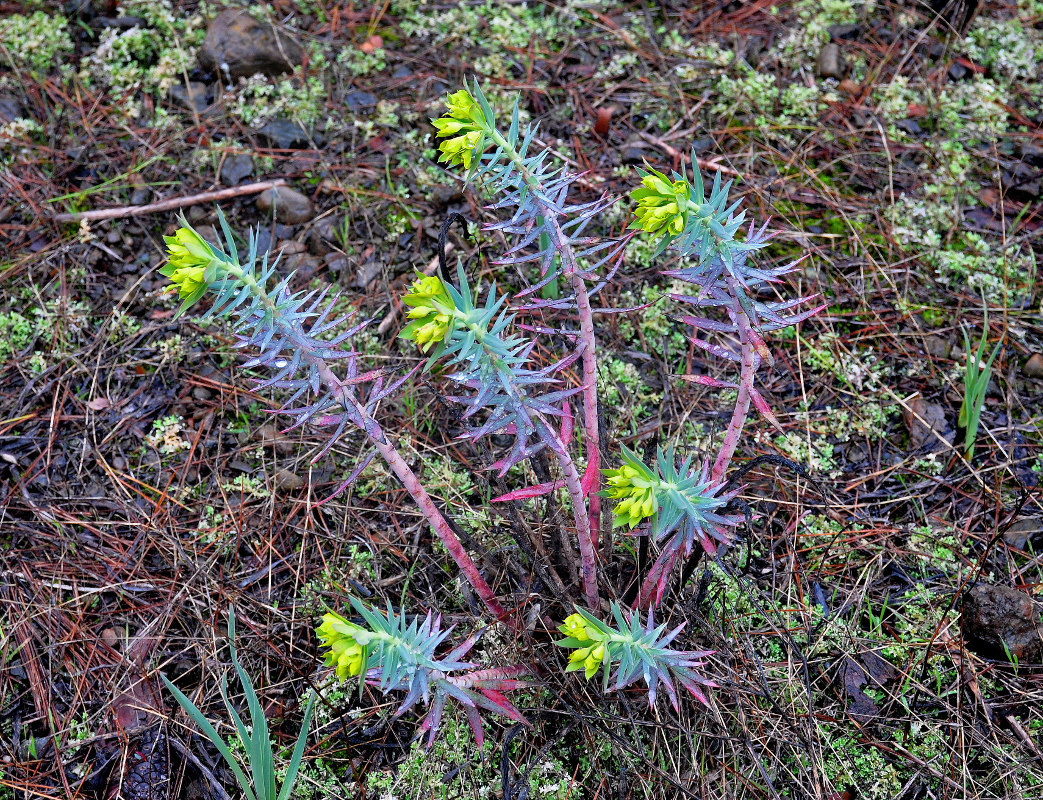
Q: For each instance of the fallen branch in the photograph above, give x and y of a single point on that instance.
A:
(169, 205)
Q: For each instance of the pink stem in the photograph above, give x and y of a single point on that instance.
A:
(652, 586)
(441, 527)
(587, 546)
(742, 401)
(415, 488)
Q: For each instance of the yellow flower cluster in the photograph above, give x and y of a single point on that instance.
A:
(431, 312)
(345, 652)
(188, 256)
(635, 492)
(661, 204)
(588, 658)
(465, 123)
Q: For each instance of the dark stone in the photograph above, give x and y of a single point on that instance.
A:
(325, 235)
(937, 346)
(401, 72)
(847, 31)
(1031, 153)
(446, 195)
(1023, 531)
(957, 72)
(633, 153)
(194, 96)
(703, 145)
(1034, 366)
(237, 46)
(831, 62)
(10, 108)
(1022, 182)
(360, 102)
(236, 168)
(289, 206)
(999, 619)
(368, 273)
(923, 421)
(140, 196)
(286, 134)
(910, 126)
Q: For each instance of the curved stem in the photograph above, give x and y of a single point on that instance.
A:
(570, 269)
(742, 400)
(587, 545)
(410, 481)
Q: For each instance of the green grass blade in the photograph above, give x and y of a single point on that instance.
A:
(209, 731)
(298, 751)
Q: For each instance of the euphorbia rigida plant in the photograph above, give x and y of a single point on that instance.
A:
(507, 385)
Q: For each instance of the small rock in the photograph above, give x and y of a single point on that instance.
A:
(238, 46)
(831, 62)
(703, 145)
(401, 72)
(287, 481)
(271, 436)
(194, 96)
(325, 235)
(1022, 182)
(633, 152)
(368, 273)
(1019, 534)
(1034, 366)
(287, 205)
(846, 31)
(110, 638)
(360, 102)
(850, 87)
(10, 108)
(937, 346)
(290, 247)
(1031, 153)
(236, 168)
(957, 72)
(998, 619)
(336, 262)
(447, 194)
(286, 134)
(910, 126)
(922, 433)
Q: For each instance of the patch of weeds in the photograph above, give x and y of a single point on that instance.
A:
(1009, 50)
(652, 323)
(455, 768)
(811, 31)
(16, 334)
(850, 763)
(247, 486)
(259, 100)
(35, 42)
(358, 62)
(621, 386)
(935, 549)
(167, 436)
(817, 454)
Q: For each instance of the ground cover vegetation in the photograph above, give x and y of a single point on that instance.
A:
(556, 400)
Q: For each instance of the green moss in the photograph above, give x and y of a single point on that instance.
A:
(36, 42)
(16, 332)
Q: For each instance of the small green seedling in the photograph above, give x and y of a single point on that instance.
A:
(257, 744)
(975, 382)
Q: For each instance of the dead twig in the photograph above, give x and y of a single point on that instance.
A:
(169, 205)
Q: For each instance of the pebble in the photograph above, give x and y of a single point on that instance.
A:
(359, 101)
(288, 205)
(1034, 366)
(937, 346)
(1001, 619)
(831, 62)
(287, 481)
(10, 108)
(238, 46)
(194, 96)
(286, 134)
(236, 168)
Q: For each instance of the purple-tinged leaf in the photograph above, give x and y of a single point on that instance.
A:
(706, 380)
(762, 406)
(530, 491)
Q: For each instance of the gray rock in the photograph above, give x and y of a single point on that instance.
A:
(910, 126)
(288, 205)
(287, 481)
(1031, 153)
(926, 422)
(285, 134)
(368, 273)
(1021, 532)
(703, 145)
(957, 72)
(236, 168)
(194, 96)
(1022, 182)
(845, 30)
(237, 46)
(360, 102)
(401, 72)
(1034, 366)
(325, 235)
(999, 619)
(140, 196)
(937, 346)
(831, 62)
(10, 108)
